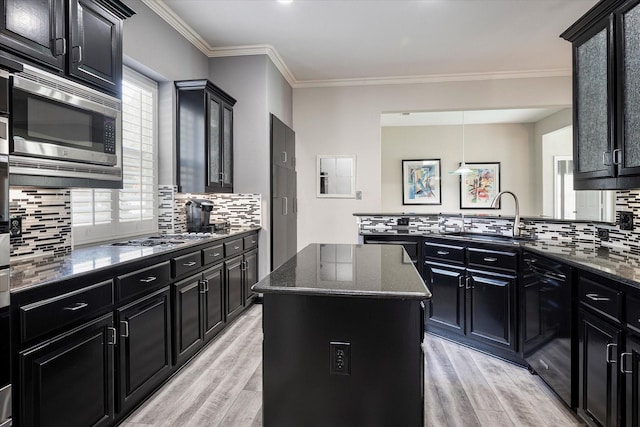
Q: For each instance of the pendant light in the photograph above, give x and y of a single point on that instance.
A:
(462, 169)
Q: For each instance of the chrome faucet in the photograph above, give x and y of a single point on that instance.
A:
(516, 221)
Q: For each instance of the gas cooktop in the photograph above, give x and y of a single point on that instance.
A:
(166, 240)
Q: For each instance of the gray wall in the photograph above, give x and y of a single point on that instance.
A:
(259, 89)
(154, 48)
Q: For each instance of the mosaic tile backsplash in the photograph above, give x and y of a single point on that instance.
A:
(46, 216)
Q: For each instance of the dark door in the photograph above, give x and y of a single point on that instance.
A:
(214, 146)
(630, 362)
(227, 149)
(188, 322)
(213, 301)
(233, 279)
(250, 273)
(68, 382)
(42, 36)
(489, 310)
(446, 307)
(144, 348)
(95, 50)
(598, 375)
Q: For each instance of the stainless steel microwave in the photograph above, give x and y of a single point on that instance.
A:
(65, 131)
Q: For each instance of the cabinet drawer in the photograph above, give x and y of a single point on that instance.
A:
(186, 263)
(45, 316)
(233, 247)
(212, 254)
(250, 242)
(448, 253)
(600, 297)
(486, 258)
(143, 280)
(632, 305)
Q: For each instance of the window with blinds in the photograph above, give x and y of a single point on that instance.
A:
(99, 214)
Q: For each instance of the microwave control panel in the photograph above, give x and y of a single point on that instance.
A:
(109, 136)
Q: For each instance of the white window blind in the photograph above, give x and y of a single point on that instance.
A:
(107, 214)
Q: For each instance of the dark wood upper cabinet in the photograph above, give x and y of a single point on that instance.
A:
(80, 38)
(606, 100)
(204, 137)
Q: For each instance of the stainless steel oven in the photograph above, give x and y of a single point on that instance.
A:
(63, 129)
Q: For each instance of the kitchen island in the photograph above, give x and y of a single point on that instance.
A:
(343, 327)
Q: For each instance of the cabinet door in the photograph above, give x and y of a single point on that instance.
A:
(68, 382)
(628, 55)
(250, 274)
(598, 374)
(446, 307)
(227, 149)
(214, 146)
(593, 91)
(213, 301)
(290, 147)
(95, 52)
(278, 142)
(188, 322)
(42, 36)
(144, 348)
(233, 282)
(630, 366)
(490, 315)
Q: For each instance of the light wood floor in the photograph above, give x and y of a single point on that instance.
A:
(463, 387)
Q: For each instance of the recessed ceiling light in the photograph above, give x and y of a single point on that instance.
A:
(285, 1)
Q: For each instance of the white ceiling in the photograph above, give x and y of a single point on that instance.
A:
(337, 42)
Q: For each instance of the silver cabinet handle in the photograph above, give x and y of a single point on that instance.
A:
(284, 157)
(622, 364)
(148, 279)
(490, 259)
(125, 326)
(76, 306)
(460, 284)
(189, 264)
(203, 286)
(544, 365)
(467, 281)
(596, 297)
(443, 253)
(609, 355)
(215, 254)
(616, 156)
(285, 206)
(112, 339)
(206, 285)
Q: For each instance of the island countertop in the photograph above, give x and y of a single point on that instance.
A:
(378, 271)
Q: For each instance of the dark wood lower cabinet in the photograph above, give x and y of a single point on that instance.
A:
(214, 319)
(68, 381)
(233, 279)
(599, 342)
(490, 314)
(144, 347)
(250, 274)
(447, 287)
(188, 328)
(630, 362)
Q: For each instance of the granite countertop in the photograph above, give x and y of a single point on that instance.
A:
(611, 261)
(376, 271)
(40, 271)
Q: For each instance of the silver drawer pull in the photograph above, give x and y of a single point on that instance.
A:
(148, 279)
(443, 253)
(596, 297)
(609, 356)
(215, 254)
(236, 247)
(77, 306)
(490, 259)
(189, 264)
(623, 365)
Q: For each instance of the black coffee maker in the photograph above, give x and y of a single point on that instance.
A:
(199, 216)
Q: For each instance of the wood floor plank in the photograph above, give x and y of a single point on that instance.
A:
(222, 387)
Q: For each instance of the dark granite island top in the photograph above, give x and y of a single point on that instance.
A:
(376, 271)
(343, 327)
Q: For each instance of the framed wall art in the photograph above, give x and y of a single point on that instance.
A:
(479, 188)
(421, 182)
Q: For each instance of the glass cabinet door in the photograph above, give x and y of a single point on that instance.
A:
(227, 147)
(214, 169)
(629, 88)
(594, 155)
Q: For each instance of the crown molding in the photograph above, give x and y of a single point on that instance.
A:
(435, 78)
(167, 14)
